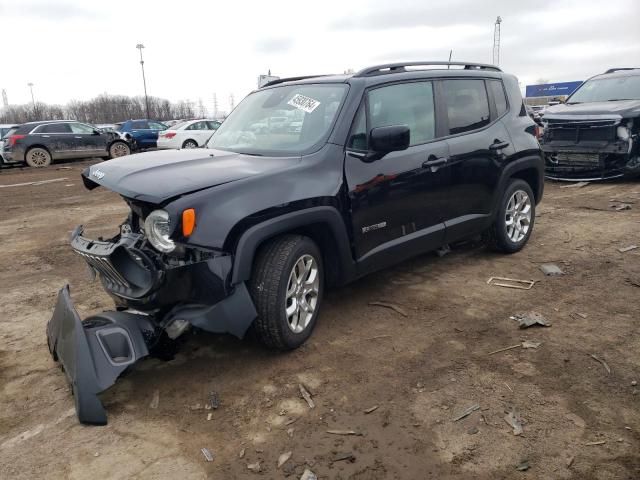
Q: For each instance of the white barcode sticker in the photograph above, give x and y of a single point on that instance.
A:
(304, 103)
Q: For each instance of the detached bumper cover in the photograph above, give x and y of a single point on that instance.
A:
(95, 352)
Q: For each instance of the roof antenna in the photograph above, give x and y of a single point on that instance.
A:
(450, 53)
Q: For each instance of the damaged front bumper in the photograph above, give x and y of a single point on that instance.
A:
(585, 163)
(163, 297)
(95, 352)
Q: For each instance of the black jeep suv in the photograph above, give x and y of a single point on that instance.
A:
(247, 233)
(39, 143)
(595, 135)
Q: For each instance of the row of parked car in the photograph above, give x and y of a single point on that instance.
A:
(39, 143)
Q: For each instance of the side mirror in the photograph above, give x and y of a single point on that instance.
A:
(392, 138)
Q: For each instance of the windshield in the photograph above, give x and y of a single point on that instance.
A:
(604, 89)
(287, 120)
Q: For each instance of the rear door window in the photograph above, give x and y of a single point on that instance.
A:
(467, 105)
(197, 126)
(55, 128)
(497, 90)
(81, 129)
(139, 125)
(408, 104)
(156, 126)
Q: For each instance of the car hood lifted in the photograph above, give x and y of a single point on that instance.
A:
(155, 177)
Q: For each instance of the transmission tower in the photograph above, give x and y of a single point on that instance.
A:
(5, 100)
(496, 41)
(215, 105)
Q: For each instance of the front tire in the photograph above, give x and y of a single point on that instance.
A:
(286, 285)
(190, 144)
(514, 221)
(38, 157)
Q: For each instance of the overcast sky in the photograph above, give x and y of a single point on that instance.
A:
(77, 49)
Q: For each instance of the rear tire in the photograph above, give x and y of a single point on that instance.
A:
(37, 157)
(190, 144)
(286, 285)
(119, 149)
(514, 220)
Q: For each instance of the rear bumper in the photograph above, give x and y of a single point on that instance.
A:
(95, 352)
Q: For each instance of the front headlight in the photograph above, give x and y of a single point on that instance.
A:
(157, 227)
(623, 133)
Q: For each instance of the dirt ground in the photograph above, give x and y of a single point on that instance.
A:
(421, 370)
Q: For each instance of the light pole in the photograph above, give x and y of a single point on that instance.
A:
(32, 99)
(144, 81)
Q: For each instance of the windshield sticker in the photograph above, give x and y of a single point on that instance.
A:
(301, 102)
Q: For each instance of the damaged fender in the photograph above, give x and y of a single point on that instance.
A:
(95, 352)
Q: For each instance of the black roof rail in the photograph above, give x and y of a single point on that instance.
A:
(401, 67)
(611, 70)
(290, 79)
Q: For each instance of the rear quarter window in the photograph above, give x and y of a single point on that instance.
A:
(467, 105)
(499, 96)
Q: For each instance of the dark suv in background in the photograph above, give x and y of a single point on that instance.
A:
(39, 143)
(248, 232)
(144, 132)
(595, 135)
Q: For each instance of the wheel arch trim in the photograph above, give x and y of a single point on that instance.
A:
(254, 236)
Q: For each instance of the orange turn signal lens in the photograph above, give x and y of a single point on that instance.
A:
(188, 221)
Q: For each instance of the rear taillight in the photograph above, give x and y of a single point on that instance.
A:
(169, 135)
(14, 138)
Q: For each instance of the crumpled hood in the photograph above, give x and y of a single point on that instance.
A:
(622, 108)
(158, 176)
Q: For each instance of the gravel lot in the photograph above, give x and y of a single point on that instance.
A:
(421, 370)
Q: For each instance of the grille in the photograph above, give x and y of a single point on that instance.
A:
(105, 268)
(579, 159)
(581, 131)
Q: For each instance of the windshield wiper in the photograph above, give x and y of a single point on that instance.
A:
(572, 103)
(618, 99)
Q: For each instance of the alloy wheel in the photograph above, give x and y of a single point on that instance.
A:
(518, 216)
(302, 293)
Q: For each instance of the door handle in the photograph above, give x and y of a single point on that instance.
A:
(77, 137)
(435, 161)
(498, 145)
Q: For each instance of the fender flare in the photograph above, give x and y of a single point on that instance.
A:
(525, 163)
(251, 239)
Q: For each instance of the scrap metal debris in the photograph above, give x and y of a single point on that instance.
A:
(604, 364)
(514, 421)
(308, 475)
(207, 454)
(241, 454)
(530, 344)
(214, 400)
(349, 457)
(155, 400)
(551, 269)
(467, 412)
(371, 409)
(40, 182)
(523, 466)
(511, 283)
(506, 348)
(306, 395)
(254, 467)
(526, 320)
(621, 207)
(282, 459)
(627, 249)
(599, 442)
(392, 306)
(575, 185)
(570, 461)
(344, 432)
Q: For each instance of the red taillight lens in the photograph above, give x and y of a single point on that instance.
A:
(538, 132)
(14, 138)
(169, 134)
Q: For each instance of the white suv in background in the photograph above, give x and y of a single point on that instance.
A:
(188, 134)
